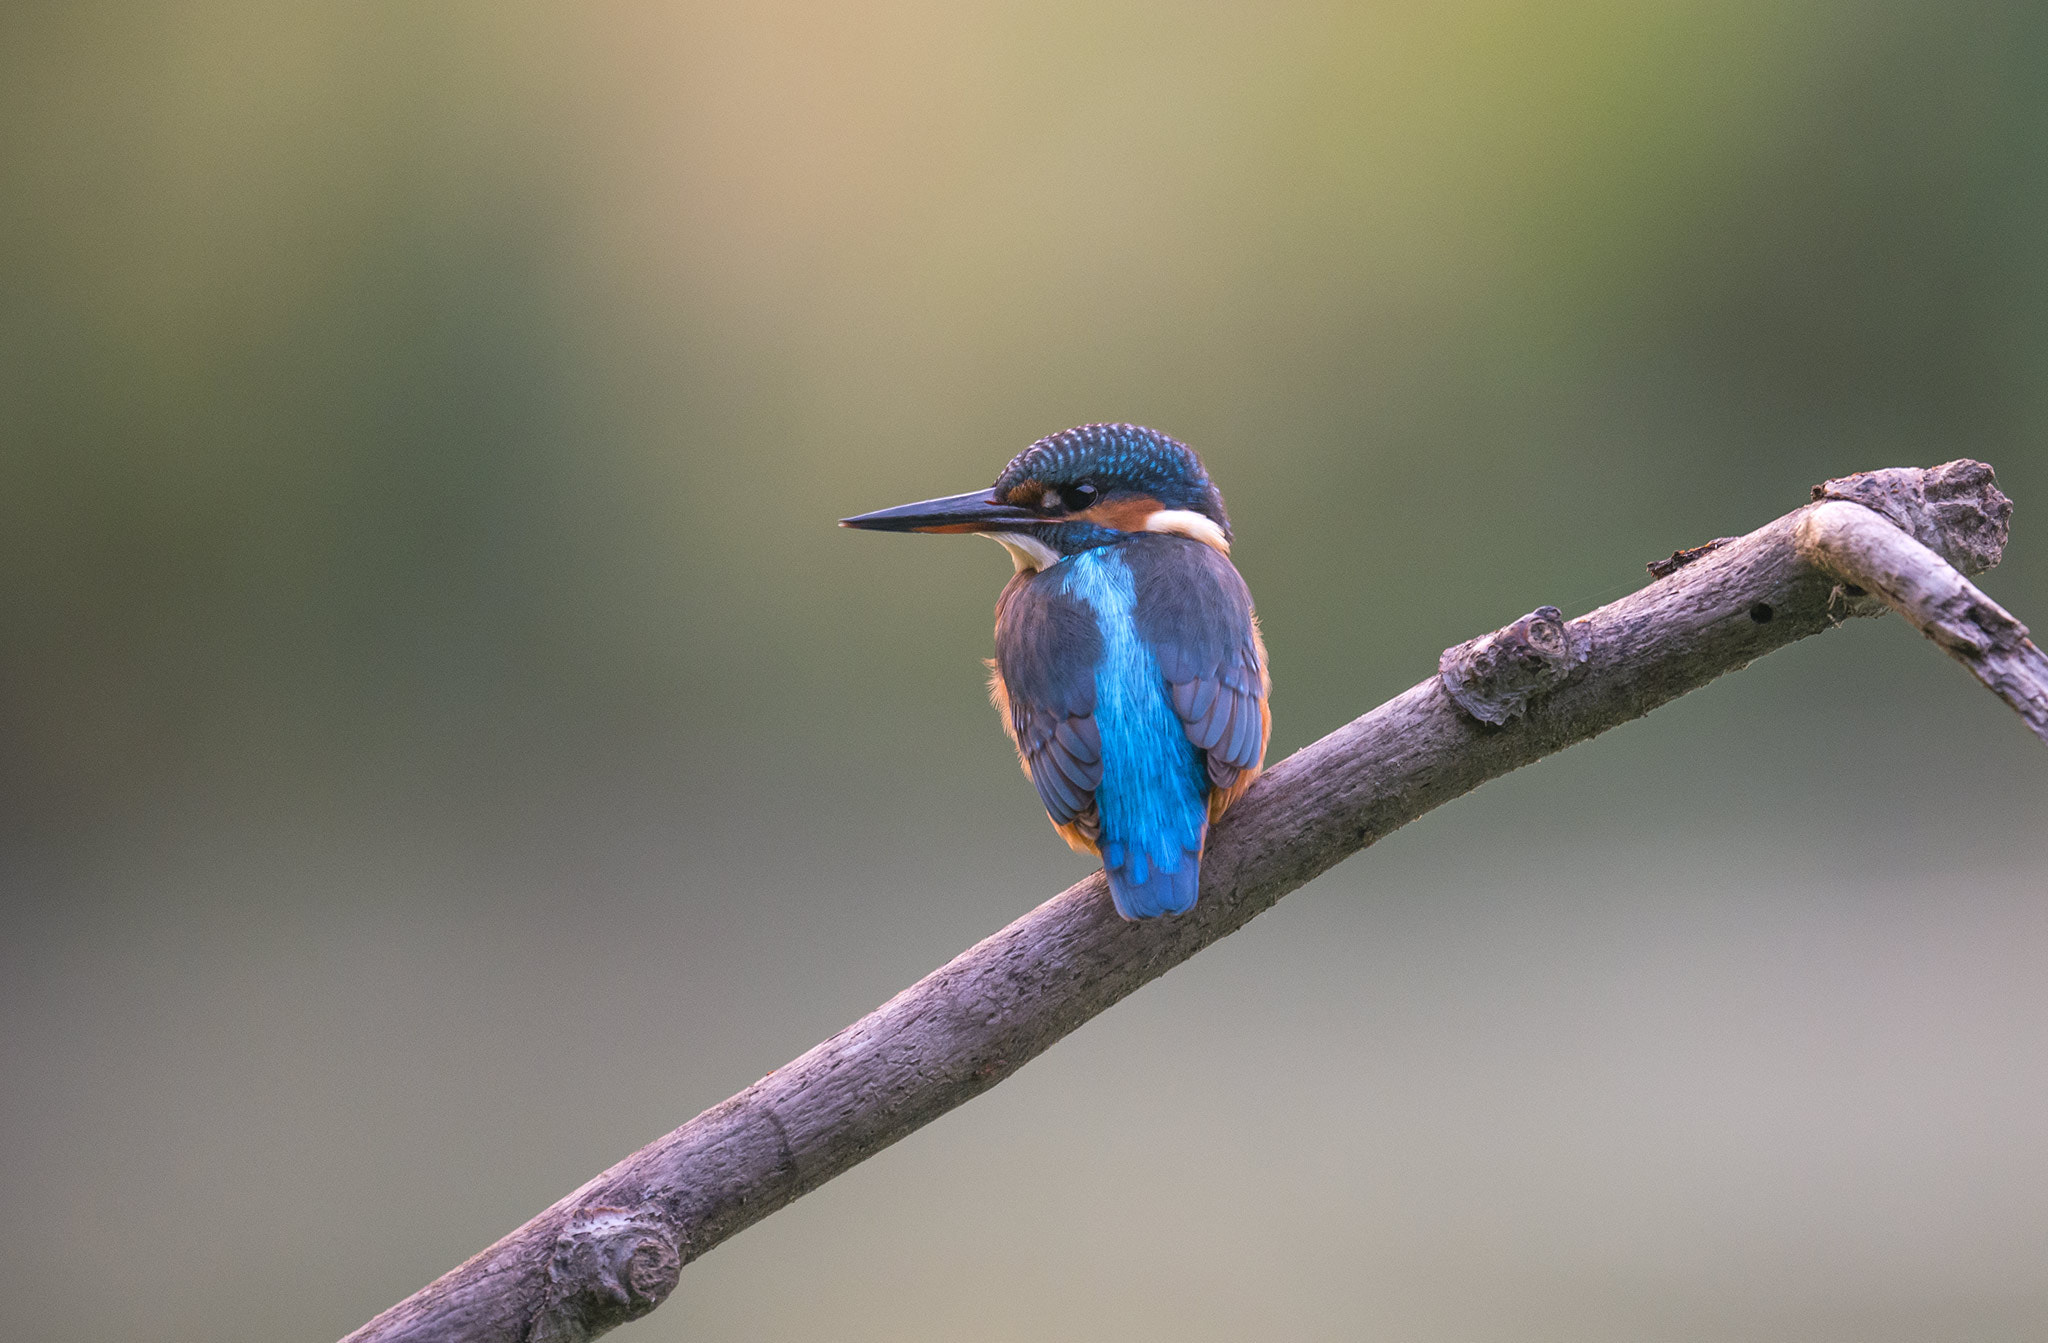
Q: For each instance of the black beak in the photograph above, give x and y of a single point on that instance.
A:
(975, 511)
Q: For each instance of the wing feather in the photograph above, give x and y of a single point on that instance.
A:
(1080, 740)
(1196, 613)
(1043, 683)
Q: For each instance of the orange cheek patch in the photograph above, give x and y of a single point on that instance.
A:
(1123, 515)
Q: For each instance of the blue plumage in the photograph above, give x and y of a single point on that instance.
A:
(1128, 668)
(1152, 802)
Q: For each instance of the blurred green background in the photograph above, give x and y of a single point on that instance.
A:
(447, 744)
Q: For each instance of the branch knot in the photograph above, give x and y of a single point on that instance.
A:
(1496, 676)
(609, 1265)
(1956, 509)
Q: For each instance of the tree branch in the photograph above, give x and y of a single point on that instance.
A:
(1889, 557)
(612, 1250)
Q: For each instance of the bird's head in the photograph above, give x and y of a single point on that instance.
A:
(1090, 486)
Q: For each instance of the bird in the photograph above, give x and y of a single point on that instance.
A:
(1130, 672)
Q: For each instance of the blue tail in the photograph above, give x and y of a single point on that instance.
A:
(1143, 889)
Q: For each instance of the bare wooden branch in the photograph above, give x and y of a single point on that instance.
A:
(612, 1250)
(1868, 553)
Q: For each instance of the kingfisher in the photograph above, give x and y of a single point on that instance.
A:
(1129, 670)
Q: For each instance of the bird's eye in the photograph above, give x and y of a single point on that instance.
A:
(1078, 497)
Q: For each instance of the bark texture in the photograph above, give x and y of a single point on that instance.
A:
(1870, 555)
(612, 1250)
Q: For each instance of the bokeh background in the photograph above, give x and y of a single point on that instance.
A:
(447, 744)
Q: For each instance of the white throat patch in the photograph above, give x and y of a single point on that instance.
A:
(1028, 553)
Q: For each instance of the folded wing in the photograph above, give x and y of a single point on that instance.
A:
(1196, 614)
(1043, 685)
